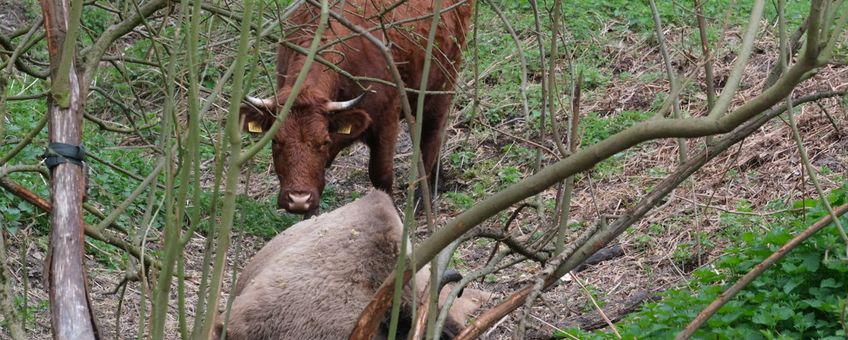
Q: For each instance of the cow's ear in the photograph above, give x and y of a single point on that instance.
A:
(349, 124)
(255, 119)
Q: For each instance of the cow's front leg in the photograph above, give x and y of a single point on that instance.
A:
(381, 164)
(436, 113)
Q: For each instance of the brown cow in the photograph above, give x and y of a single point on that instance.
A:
(312, 280)
(321, 124)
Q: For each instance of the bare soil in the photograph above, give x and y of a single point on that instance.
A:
(13, 15)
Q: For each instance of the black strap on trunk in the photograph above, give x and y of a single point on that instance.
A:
(61, 153)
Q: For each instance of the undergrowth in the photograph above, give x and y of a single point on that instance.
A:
(801, 297)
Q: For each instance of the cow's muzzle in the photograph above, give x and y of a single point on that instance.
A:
(297, 202)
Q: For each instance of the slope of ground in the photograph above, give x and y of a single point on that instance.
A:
(625, 83)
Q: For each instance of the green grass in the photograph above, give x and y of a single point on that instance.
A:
(459, 200)
(259, 218)
(596, 128)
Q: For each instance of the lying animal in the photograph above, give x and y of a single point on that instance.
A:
(313, 279)
(324, 119)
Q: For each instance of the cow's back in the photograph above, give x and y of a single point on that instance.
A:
(360, 57)
(311, 281)
(408, 43)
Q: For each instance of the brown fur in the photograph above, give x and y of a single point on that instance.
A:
(309, 140)
(462, 308)
(312, 280)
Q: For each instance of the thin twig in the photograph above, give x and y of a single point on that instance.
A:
(830, 119)
(100, 235)
(672, 80)
(595, 303)
(735, 77)
(11, 316)
(738, 212)
(705, 50)
(796, 135)
(42, 122)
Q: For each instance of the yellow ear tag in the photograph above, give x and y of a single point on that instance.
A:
(254, 127)
(344, 130)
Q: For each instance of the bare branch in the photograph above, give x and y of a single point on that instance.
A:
(566, 263)
(100, 235)
(93, 54)
(744, 54)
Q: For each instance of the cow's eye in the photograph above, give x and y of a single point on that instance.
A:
(320, 144)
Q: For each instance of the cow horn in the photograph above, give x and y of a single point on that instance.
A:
(450, 276)
(345, 105)
(260, 103)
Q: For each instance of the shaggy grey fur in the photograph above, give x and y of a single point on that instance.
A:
(312, 280)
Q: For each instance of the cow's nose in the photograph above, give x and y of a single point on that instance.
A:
(299, 200)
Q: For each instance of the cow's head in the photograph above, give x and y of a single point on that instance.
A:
(306, 142)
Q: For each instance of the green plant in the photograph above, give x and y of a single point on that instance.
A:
(31, 312)
(596, 295)
(643, 242)
(802, 296)
(461, 158)
(735, 224)
(509, 175)
(518, 153)
(612, 165)
(329, 199)
(105, 254)
(656, 229)
(459, 200)
(593, 77)
(482, 242)
(658, 172)
(457, 261)
(596, 128)
(258, 218)
(682, 252)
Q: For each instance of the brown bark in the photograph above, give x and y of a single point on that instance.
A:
(490, 317)
(71, 314)
(364, 329)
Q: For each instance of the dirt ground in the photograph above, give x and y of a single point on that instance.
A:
(13, 14)
(764, 169)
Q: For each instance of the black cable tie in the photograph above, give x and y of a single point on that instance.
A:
(61, 153)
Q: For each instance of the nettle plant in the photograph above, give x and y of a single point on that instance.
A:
(800, 297)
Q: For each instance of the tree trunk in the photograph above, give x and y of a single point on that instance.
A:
(71, 315)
